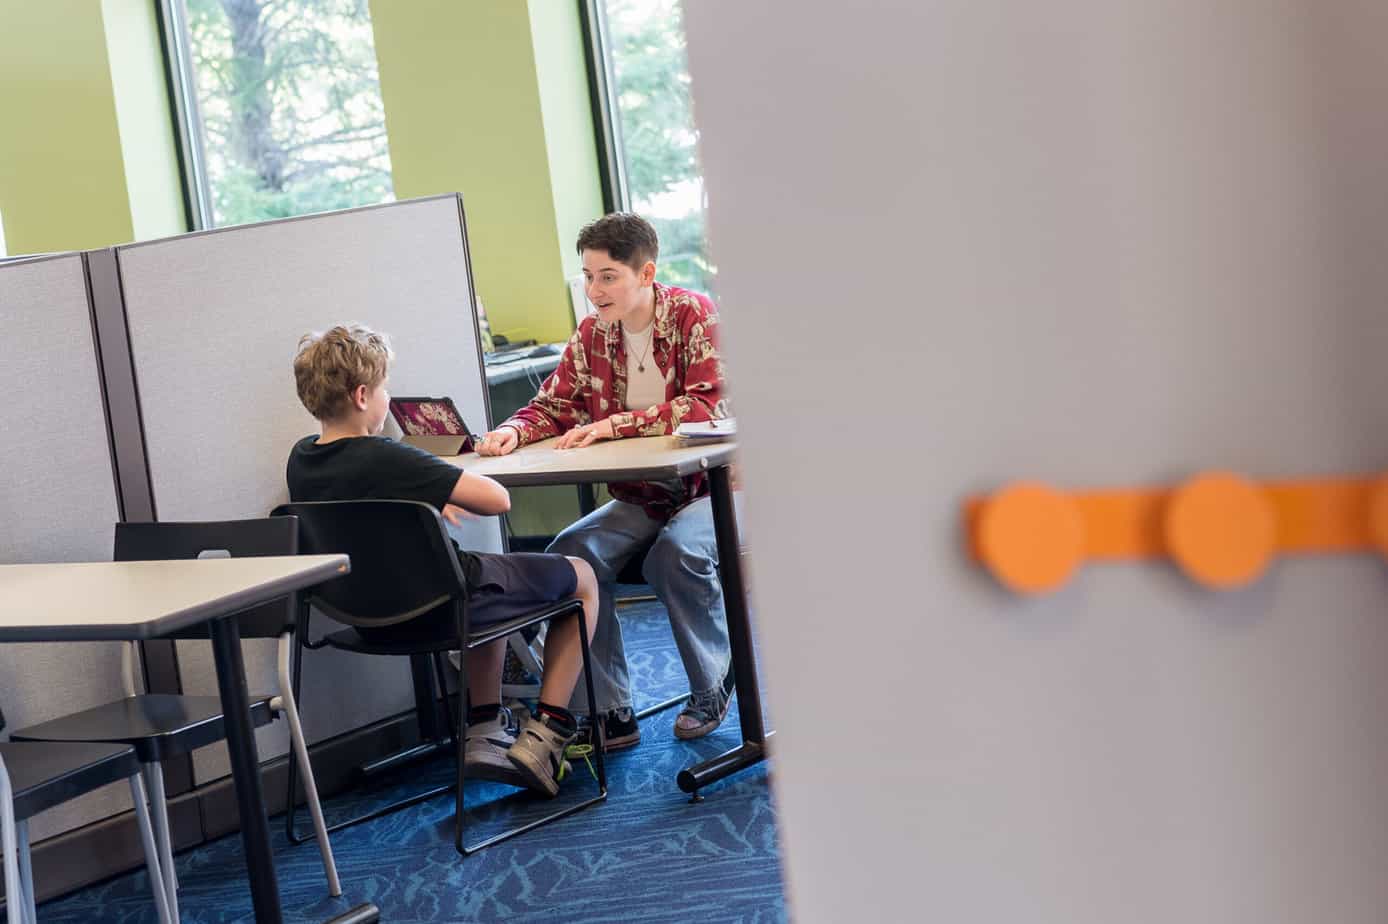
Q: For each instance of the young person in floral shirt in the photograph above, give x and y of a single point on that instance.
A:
(644, 363)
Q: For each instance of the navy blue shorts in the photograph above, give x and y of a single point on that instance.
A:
(509, 585)
(513, 584)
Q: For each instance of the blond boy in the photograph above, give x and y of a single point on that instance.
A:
(342, 375)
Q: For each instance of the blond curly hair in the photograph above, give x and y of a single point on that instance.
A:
(331, 364)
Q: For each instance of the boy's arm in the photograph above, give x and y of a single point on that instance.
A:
(409, 473)
(703, 386)
(559, 404)
(480, 494)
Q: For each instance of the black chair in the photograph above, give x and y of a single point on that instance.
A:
(405, 575)
(38, 776)
(164, 725)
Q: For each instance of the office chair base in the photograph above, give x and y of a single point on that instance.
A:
(409, 755)
(295, 837)
(468, 851)
(670, 703)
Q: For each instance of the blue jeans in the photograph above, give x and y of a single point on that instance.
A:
(682, 567)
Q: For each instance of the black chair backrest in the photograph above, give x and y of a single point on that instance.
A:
(403, 561)
(239, 538)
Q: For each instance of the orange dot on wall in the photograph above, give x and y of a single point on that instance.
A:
(1378, 515)
(1031, 537)
(1221, 530)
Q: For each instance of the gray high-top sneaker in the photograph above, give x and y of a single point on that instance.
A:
(485, 753)
(539, 754)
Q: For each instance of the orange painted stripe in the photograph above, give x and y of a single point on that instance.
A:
(1325, 515)
(1118, 524)
(1122, 524)
(1322, 516)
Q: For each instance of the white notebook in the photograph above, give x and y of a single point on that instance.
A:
(706, 431)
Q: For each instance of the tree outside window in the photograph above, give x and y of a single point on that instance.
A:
(289, 100)
(658, 139)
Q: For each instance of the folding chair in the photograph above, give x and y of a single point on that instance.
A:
(164, 725)
(38, 776)
(405, 568)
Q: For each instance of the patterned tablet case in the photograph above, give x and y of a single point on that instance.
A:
(427, 417)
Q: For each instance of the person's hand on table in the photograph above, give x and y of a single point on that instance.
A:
(587, 435)
(499, 442)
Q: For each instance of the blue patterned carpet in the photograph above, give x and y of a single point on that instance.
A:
(645, 855)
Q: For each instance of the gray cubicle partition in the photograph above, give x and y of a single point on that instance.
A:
(214, 319)
(58, 496)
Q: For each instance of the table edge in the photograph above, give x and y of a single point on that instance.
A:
(714, 456)
(233, 603)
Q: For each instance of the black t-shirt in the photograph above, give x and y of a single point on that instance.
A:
(373, 467)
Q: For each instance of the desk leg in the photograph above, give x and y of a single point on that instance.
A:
(587, 499)
(753, 749)
(245, 768)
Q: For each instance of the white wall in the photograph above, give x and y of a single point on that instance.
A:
(1094, 243)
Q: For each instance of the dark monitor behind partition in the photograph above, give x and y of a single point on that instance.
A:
(214, 321)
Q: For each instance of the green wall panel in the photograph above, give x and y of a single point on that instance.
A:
(463, 101)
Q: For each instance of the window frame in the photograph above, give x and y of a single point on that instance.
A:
(186, 115)
(183, 102)
(197, 187)
(607, 127)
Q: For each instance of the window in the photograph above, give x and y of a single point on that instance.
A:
(647, 72)
(280, 104)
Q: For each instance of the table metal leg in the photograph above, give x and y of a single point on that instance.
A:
(587, 499)
(753, 748)
(245, 773)
(245, 768)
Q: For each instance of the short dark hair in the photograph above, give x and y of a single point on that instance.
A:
(626, 236)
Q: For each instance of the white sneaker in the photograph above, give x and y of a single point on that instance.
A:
(539, 754)
(484, 757)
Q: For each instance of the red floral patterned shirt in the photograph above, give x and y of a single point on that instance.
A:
(590, 384)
